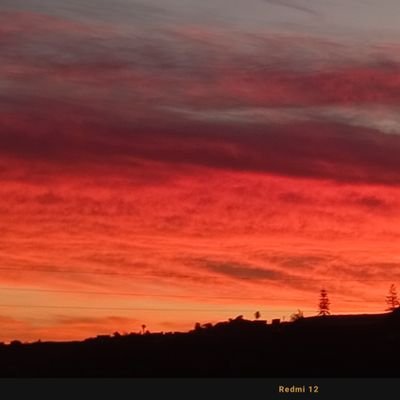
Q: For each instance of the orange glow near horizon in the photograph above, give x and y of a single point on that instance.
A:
(97, 254)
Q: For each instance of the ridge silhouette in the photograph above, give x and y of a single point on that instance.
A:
(364, 345)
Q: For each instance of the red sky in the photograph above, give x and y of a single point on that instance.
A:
(180, 172)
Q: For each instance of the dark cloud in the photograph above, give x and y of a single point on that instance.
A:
(255, 274)
(294, 198)
(369, 272)
(371, 202)
(119, 11)
(299, 262)
(108, 100)
(112, 321)
(313, 150)
(239, 271)
(294, 5)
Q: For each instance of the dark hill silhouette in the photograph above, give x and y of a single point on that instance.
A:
(329, 346)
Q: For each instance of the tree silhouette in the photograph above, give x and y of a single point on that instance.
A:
(391, 299)
(297, 316)
(324, 303)
(143, 329)
(257, 315)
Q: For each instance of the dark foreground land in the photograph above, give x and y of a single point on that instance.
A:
(334, 346)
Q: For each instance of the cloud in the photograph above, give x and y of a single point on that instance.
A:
(310, 149)
(371, 201)
(180, 101)
(381, 118)
(294, 5)
(191, 161)
(244, 272)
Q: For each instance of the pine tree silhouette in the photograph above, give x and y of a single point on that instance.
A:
(391, 299)
(324, 303)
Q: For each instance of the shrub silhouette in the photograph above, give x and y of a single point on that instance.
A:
(297, 316)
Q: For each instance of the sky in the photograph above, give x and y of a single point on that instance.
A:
(170, 162)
